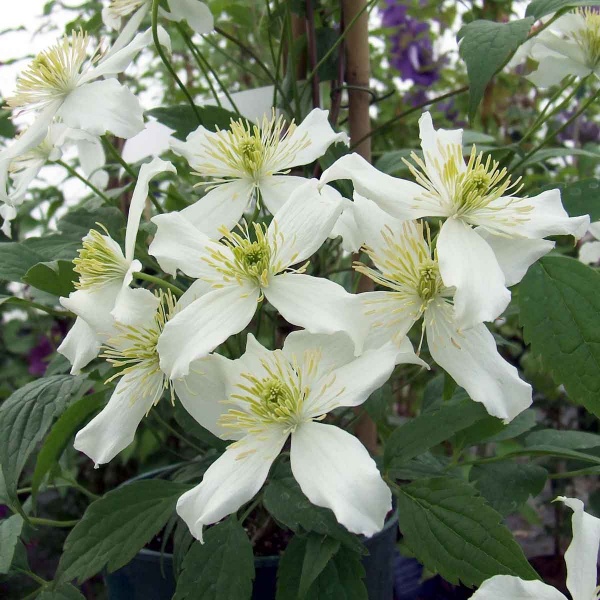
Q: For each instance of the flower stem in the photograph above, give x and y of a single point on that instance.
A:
(167, 62)
(81, 178)
(52, 522)
(158, 281)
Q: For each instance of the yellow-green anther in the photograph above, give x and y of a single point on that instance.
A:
(589, 37)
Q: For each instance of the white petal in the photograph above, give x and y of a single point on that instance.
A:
(335, 471)
(469, 264)
(589, 253)
(203, 390)
(275, 190)
(223, 206)
(347, 228)
(470, 356)
(351, 384)
(434, 142)
(197, 14)
(130, 29)
(318, 305)
(154, 140)
(138, 199)
(114, 428)
(395, 196)
(233, 479)
(81, 345)
(92, 159)
(178, 244)
(582, 554)
(545, 216)
(134, 306)
(553, 69)
(203, 325)
(594, 229)
(94, 306)
(317, 131)
(515, 255)
(8, 213)
(337, 349)
(303, 223)
(507, 587)
(103, 106)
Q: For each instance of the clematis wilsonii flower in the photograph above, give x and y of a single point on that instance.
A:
(131, 349)
(411, 272)
(103, 291)
(262, 399)
(65, 81)
(249, 162)
(490, 236)
(581, 559)
(247, 265)
(195, 13)
(568, 46)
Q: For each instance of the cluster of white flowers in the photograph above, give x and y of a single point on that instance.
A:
(349, 344)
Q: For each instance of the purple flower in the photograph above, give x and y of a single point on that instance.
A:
(582, 130)
(37, 356)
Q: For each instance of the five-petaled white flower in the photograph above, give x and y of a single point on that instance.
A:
(249, 162)
(195, 13)
(581, 559)
(404, 263)
(103, 291)
(568, 46)
(64, 81)
(490, 237)
(264, 397)
(236, 273)
(131, 349)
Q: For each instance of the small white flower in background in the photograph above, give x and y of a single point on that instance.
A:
(131, 349)
(65, 81)
(103, 291)
(404, 263)
(247, 265)
(581, 559)
(490, 236)
(264, 397)
(195, 13)
(569, 46)
(249, 162)
(589, 252)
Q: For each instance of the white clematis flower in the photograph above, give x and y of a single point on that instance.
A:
(195, 13)
(581, 560)
(236, 273)
(103, 292)
(248, 162)
(132, 350)
(490, 236)
(264, 397)
(404, 264)
(65, 82)
(569, 46)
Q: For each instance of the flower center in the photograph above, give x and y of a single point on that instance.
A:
(100, 261)
(249, 150)
(588, 38)
(275, 398)
(430, 282)
(122, 8)
(52, 74)
(133, 350)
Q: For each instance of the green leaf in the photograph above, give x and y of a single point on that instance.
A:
(450, 528)
(64, 591)
(26, 416)
(77, 223)
(508, 485)
(220, 569)
(540, 8)
(559, 302)
(340, 579)
(430, 429)
(319, 551)
(183, 120)
(194, 429)
(573, 440)
(16, 260)
(10, 530)
(54, 247)
(555, 452)
(55, 277)
(581, 198)
(61, 434)
(116, 527)
(7, 129)
(486, 47)
(287, 504)
(522, 423)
